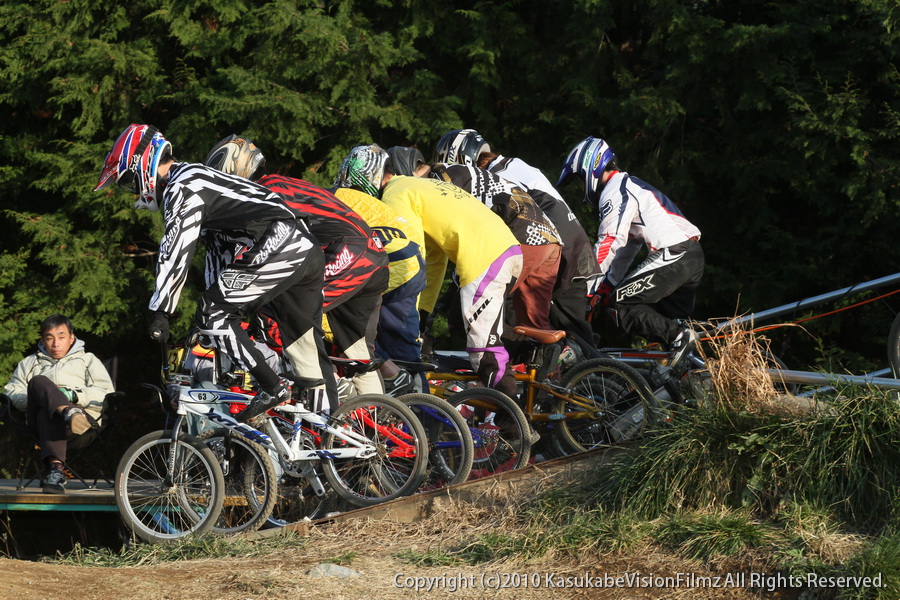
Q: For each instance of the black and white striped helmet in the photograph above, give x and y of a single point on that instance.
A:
(462, 146)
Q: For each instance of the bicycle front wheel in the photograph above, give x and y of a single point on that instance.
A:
(251, 484)
(158, 508)
(400, 461)
(450, 447)
(500, 431)
(608, 403)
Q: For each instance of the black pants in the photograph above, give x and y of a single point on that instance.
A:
(569, 313)
(662, 288)
(354, 323)
(41, 412)
(289, 278)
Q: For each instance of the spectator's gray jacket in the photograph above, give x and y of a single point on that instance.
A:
(78, 370)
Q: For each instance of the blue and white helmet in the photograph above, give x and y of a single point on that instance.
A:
(588, 160)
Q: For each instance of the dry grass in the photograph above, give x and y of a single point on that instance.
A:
(737, 360)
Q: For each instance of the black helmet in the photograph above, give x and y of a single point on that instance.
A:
(238, 156)
(405, 160)
(462, 146)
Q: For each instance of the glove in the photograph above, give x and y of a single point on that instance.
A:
(70, 394)
(601, 297)
(159, 327)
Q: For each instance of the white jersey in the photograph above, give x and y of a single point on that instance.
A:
(634, 213)
(578, 261)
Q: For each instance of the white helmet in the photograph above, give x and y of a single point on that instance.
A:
(363, 169)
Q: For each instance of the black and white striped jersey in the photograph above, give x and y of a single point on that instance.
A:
(229, 212)
(579, 261)
(517, 209)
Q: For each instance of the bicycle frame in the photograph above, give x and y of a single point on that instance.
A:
(200, 402)
(532, 388)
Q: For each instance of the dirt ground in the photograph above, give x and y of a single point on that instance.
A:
(382, 575)
(373, 549)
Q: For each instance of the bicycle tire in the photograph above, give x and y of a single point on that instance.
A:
(297, 502)
(893, 346)
(156, 512)
(450, 447)
(500, 430)
(388, 474)
(251, 484)
(619, 406)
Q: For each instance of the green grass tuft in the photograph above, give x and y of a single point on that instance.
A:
(703, 536)
(186, 549)
(844, 458)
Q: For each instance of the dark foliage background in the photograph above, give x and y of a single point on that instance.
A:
(774, 125)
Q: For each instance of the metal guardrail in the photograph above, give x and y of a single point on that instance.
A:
(813, 301)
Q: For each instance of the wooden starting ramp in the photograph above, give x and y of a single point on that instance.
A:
(78, 497)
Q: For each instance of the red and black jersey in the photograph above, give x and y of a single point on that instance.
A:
(329, 219)
(352, 252)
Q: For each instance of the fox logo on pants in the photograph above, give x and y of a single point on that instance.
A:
(635, 287)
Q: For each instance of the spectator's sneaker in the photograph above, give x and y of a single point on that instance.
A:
(76, 420)
(682, 346)
(55, 481)
(263, 401)
(400, 384)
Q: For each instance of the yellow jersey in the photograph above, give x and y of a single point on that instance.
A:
(405, 258)
(450, 224)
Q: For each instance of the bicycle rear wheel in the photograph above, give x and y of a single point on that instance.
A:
(609, 403)
(251, 485)
(450, 447)
(159, 510)
(500, 431)
(401, 458)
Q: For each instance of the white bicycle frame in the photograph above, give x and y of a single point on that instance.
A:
(203, 403)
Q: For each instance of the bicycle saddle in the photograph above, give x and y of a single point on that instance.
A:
(415, 367)
(355, 366)
(544, 336)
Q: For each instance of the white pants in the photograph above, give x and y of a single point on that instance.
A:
(482, 309)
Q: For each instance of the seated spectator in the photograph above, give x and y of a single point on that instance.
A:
(61, 389)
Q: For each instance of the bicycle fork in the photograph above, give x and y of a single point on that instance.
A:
(169, 481)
